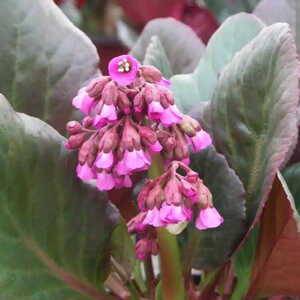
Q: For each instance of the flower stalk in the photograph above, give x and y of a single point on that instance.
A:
(171, 273)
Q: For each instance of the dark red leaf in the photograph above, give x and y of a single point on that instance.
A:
(201, 20)
(276, 264)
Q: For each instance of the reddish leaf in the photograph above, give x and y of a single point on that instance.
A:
(142, 11)
(201, 20)
(275, 269)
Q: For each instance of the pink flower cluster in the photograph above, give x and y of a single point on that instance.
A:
(130, 115)
(172, 198)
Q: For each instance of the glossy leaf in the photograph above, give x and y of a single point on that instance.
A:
(232, 36)
(287, 11)
(182, 46)
(254, 111)
(44, 59)
(54, 230)
(156, 56)
(212, 247)
(275, 269)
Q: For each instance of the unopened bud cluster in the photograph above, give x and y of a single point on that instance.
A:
(130, 115)
(171, 200)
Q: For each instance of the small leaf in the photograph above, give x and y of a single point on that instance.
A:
(54, 230)
(254, 111)
(275, 268)
(157, 57)
(214, 246)
(182, 46)
(232, 36)
(44, 59)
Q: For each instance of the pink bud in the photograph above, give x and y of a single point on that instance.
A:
(151, 93)
(73, 127)
(87, 122)
(124, 103)
(138, 102)
(97, 85)
(87, 148)
(110, 94)
(76, 140)
(148, 135)
(151, 74)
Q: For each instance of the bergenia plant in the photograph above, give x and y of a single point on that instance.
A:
(176, 176)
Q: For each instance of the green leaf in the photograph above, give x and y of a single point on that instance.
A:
(44, 60)
(254, 111)
(123, 249)
(243, 261)
(157, 57)
(292, 177)
(212, 247)
(288, 11)
(54, 230)
(231, 37)
(182, 45)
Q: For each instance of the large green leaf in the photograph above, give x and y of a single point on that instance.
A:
(44, 59)
(54, 230)
(280, 11)
(232, 36)
(212, 247)
(254, 110)
(182, 45)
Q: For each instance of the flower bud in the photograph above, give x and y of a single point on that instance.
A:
(109, 141)
(151, 74)
(148, 135)
(110, 94)
(87, 150)
(124, 103)
(74, 127)
(189, 125)
(76, 140)
(138, 102)
(151, 93)
(87, 122)
(96, 87)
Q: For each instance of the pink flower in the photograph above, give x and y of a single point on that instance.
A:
(83, 101)
(104, 160)
(123, 69)
(153, 218)
(156, 147)
(175, 213)
(85, 173)
(155, 110)
(200, 141)
(105, 181)
(136, 160)
(108, 114)
(171, 116)
(208, 218)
